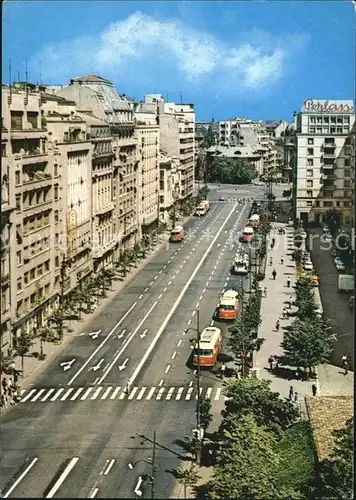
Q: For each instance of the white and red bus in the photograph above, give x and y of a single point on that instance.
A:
(228, 305)
(177, 234)
(254, 221)
(203, 208)
(247, 234)
(210, 346)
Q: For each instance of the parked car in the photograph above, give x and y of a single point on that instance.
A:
(327, 237)
(338, 260)
(221, 198)
(325, 229)
(340, 266)
(308, 266)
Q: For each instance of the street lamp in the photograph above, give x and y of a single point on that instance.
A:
(147, 477)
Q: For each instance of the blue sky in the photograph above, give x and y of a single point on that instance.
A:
(254, 59)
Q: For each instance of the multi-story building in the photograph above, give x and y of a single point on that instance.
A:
(289, 154)
(325, 160)
(168, 186)
(28, 232)
(148, 135)
(99, 96)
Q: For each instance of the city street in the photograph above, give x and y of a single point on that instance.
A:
(79, 425)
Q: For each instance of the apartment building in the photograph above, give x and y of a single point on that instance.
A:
(325, 160)
(289, 154)
(169, 186)
(148, 135)
(177, 137)
(99, 96)
(29, 208)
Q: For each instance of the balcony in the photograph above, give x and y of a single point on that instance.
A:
(7, 206)
(4, 279)
(37, 182)
(98, 252)
(37, 208)
(4, 244)
(31, 157)
(28, 133)
(104, 209)
(329, 145)
(329, 166)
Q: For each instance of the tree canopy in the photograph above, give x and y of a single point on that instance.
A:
(231, 171)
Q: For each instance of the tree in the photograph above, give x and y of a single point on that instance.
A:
(254, 396)
(23, 344)
(6, 364)
(336, 474)
(205, 413)
(308, 343)
(187, 476)
(209, 138)
(247, 459)
(231, 170)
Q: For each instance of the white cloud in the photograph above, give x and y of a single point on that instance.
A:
(141, 44)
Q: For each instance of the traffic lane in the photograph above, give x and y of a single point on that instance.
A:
(123, 344)
(154, 320)
(138, 294)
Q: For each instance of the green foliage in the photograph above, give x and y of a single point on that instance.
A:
(6, 364)
(308, 343)
(246, 460)
(297, 453)
(336, 475)
(23, 343)
(189, 476)
(209, 139)
(231, 170)
(205, 413)
(254, 396)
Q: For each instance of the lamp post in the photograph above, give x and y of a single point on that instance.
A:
(144, 477)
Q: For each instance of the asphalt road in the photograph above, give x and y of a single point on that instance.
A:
(76, 431)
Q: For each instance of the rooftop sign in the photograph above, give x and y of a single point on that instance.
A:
(315, 106)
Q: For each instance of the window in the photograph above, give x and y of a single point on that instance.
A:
(312, 130)
(310, 151)
(317, 203)
(32, 118)
(55, 170)
(16, 120)
(328, 203)
(40, 270)
(56, 262)
(32, 274)
(18, 203)
(56, 192)
(309, 184)
(17, 177)
(33, 298)
(25, 278)
(46, 265)
(19, 258)
(310, 140)
(333, 119)
(309, 193)
(312, 119)
(337, 203)
(326, 119)
(329, 141)
(19, 284)
(47, 290)
(347, 204)
(56, 216)
(309, 203)
(310, 162)
(347, 162)
(46, 219)
(310, 173)
(347, 173)
(347, 184)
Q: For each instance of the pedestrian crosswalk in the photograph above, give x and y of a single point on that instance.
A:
(115, 393)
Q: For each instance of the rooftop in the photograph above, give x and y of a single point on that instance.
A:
(90, 78)
(327, 414)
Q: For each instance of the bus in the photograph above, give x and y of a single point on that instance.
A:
(210, 344)
(177, 234)
(241, 264)
(254, 221)
(247, 234)
(228, 305)
(203, 208)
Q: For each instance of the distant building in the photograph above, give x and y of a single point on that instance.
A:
(169, 187)
(249, 153)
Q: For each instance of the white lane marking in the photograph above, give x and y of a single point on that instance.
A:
(211, 324)
(160, 272)
(40, 392)
(169, 261)
(189, 321)
(79, 391)
(140, 297)
(133, 392)
(155, 278)
(174, 355)
(146, 289)
(200, 391)
(102, 343)
(48, 394)
(215, 266)
(109, 467)
(161, 382)
(122, 395)
(31, 393)
(106, 393)
(160, 393)
(168, 368)
(64, 397)
(180, 267)
(208, 392)
(170, 393)
(189, 393)
(151, 283)
(160, 296)
(169, 282)
(93, 493)
(200, 298)
(179, 299)
(116, 390)
(62, 477)
(179, 343)
(20, 478)
(179, 393)
(127, 341)
(204, 290)
(164, 267)
(97, 392)
(150, 394)
(58, 393)
(212, 272)
(86, 394)
(141, 393)
(191, 383)
(225, 284)
(165, 289)
(217, 395)
(197, 306)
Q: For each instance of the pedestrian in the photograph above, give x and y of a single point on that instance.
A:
(287, 313)
(274, 274)
(270, 261)
(277, 325)
(288, 282)
(222, 370)
(270, 362)
(282, 260)
(346, 368)
(314, 389)
(4, 384)
(265, 291)
(344, 359)
(273, 241)
(291, 392)
(3, 399)
(296, 397)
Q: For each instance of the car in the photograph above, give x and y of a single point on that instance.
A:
(325, 229)
(315, 280)
(338, 260)
(221, 198)
(308, 266)
(340, 266)
(327, 237)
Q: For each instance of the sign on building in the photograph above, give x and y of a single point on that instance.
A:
(320, 106)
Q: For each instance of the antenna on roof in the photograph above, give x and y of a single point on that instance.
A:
(40, 72)
(26, 78)
(18, 75)
(181, 97)
(10, 75)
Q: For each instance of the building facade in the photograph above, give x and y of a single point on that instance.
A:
(169, 188)
(325, 160)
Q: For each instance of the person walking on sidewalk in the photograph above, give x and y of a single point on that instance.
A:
(282, 260)
(4, 384)
(265, 291)
(291, 393)
(346, 368)
(288, 282)
(277, 326)
(296, 397)
(314, 389)
(274, 274)
(270, 261)
(270, 362)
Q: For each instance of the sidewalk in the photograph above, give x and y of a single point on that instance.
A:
(34, 367)
(331, 379)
